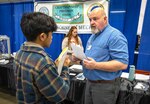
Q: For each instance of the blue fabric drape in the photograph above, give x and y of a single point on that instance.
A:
(6, 21)
(117, 14)
(10, 22)
(19, 9)
(144, 51)
(131, 24)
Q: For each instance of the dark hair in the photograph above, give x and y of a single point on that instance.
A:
(33, 24)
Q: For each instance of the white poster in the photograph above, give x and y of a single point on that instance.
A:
(67, 14)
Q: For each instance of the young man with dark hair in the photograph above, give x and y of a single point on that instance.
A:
(37, 79)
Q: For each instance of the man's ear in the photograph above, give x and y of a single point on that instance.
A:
(105, 18)
(42, 36)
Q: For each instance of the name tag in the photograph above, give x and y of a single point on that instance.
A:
(89, 47)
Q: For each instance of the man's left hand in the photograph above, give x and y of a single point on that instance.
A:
(89, 63)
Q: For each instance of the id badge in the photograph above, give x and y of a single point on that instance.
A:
(89, 47)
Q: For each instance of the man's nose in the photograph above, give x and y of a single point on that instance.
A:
(92, 22)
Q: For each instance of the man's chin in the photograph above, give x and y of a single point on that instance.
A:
(94, 31)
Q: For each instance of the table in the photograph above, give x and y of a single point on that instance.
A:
(7, 82)
(127, 94)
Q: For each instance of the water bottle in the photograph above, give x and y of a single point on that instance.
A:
(131, 73)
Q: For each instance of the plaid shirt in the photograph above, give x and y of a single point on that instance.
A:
(37, 79)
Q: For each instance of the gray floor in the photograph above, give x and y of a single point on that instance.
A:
(7, 98)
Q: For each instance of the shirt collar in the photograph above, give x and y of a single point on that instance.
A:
(32, 44)
(102, 30)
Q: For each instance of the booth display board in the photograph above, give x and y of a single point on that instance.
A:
(67, 14)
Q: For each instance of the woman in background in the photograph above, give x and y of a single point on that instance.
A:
(71, 37)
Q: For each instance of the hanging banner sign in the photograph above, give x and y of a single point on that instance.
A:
(67, 14)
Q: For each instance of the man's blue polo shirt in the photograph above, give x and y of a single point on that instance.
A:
(108, 45)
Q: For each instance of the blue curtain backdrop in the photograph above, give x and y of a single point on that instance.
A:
(10, 21)
(123, 14)
(131, 24)
(144, 52)
(6, 22)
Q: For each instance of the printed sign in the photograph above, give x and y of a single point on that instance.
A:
(70, 13)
